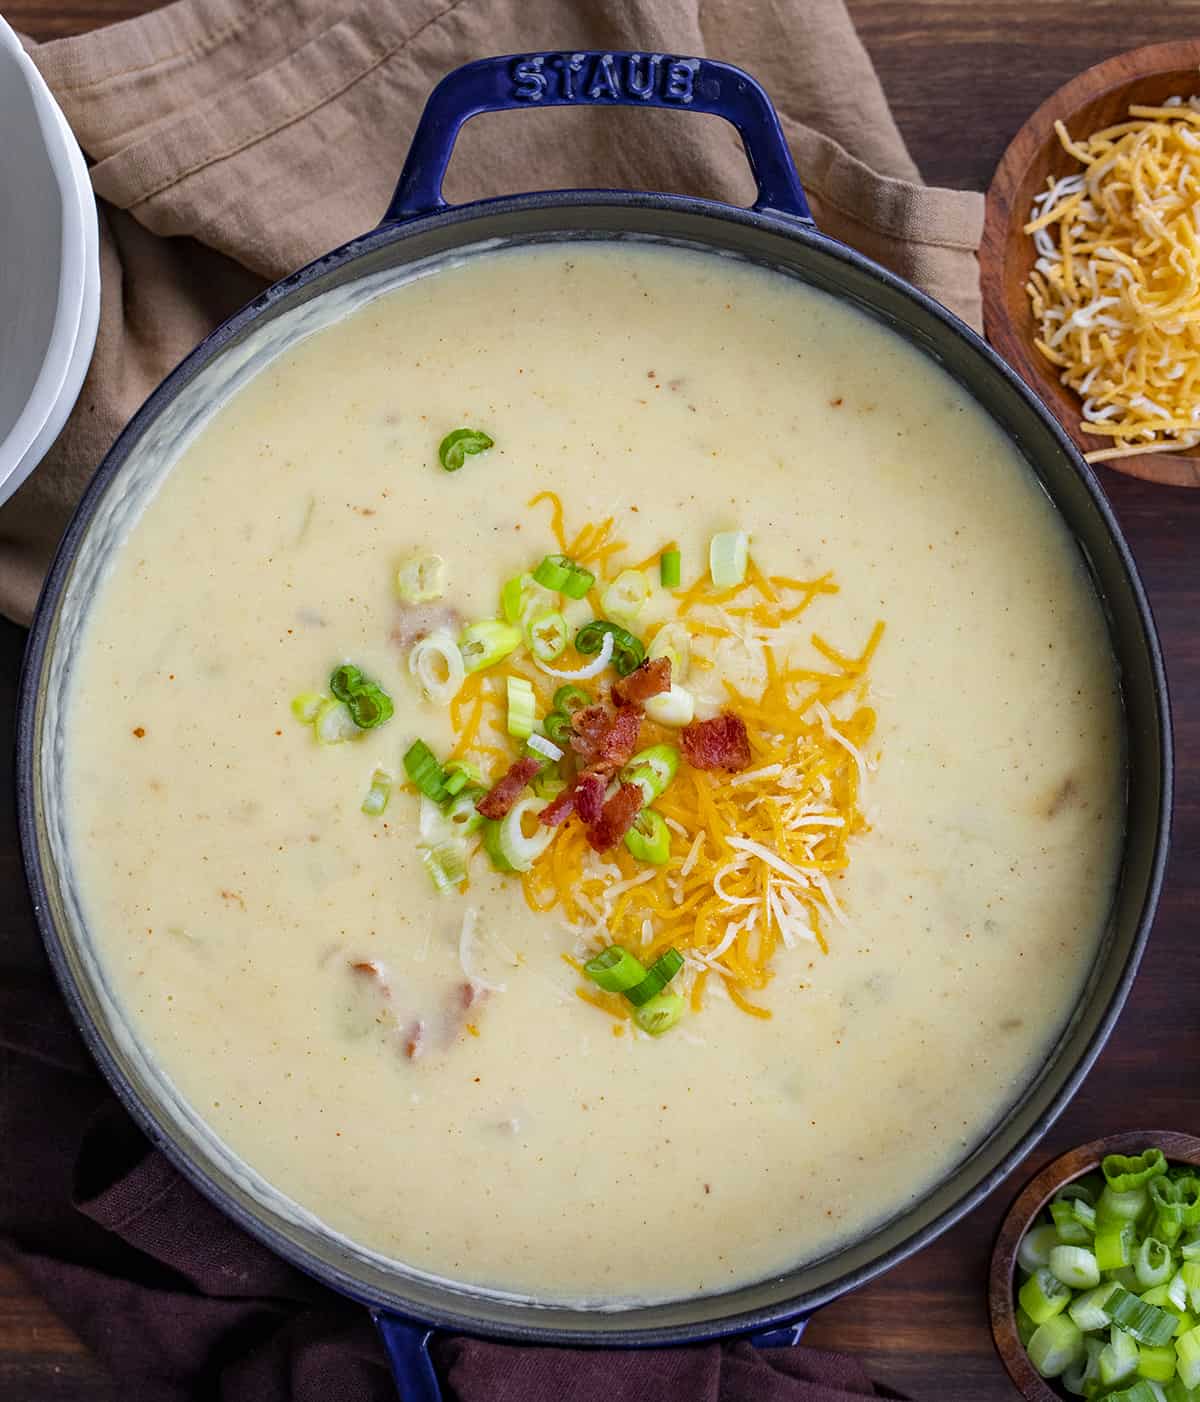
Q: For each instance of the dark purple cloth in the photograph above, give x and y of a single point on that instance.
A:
(183, 1305)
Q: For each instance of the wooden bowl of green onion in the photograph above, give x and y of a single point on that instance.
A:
(1095, 1277)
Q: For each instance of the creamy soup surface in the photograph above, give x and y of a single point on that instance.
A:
(231, 880)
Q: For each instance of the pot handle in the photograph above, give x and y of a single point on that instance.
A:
(597, 78)
(407, 1346)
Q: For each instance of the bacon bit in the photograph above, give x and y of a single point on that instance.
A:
(605, 740)
(652, 678)
(616, 817)
(719, 743)
(414, 1039)
(589, 796)
(499, 799)
(140, 732)
(417, 621)
(559, 809)
(373, 969)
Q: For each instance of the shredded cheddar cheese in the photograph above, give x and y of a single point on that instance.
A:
(755, 856)
(1115, 290)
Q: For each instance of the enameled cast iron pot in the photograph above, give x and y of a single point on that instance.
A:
(777, 232)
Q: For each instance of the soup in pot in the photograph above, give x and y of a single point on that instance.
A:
(598, 774)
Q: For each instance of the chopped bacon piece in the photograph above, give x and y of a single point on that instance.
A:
(499, 799)
(414, 1039)
(585, 796)
(559, 809)
(616, 817)
(604, 739)
(417, 621)
(719, 743)
(652, 678)
(589, 795)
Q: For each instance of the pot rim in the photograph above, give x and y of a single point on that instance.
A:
(524, 1326)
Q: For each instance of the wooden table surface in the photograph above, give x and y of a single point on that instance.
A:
(961, 76)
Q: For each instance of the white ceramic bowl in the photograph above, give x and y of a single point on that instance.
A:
(49, 267)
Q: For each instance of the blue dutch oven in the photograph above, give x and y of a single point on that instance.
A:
(776, 232)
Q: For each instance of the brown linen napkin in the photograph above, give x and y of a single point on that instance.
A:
(235, 140)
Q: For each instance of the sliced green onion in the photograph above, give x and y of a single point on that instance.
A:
(659, 1014)
(334, 723)
(1114, 1246)
(1190, 1271)
(491, 845)
(421, 578)
(548, 783)
(484, 644)
(521, 707)
(570, 699)
(649, 839)
(1035, 1247)
(582, 674)
(1043, 1296)
(1055, 1345)
(1118, 1358)
(548, 634)
(1071, 1230)
(1149, 1324)
(1167, 1202)
(1123, 1173)
(564, 576)
(1152, 1264)
(1177, 1293)
(519, 849)
(728, 556)
(652, 770)
(658, 975)
(454, 449)
(614, 969)
(1081, 1374)
(1141, 1391)
(674, 642)
(370, 706)
(670, 566)
(1190, 1249)
(425, 772)
(1075, 1266)
(306, 706)
(459, 774)
(512, 598)
(344, 681)
(1025, 1327)
(547, 749)
(461, 815)
(1156, 1364)
(557, 728)
(1086, 1189)
(1125, 1206)
(377, 796)
(1088, 1310)
(1187, 1353)
(1125, 1276)
(437, 667)
(446, 864)
(626, 596)
(676, 707)
(627, 652)
(1189, 1199)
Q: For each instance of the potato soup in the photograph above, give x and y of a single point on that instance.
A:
(598, 774)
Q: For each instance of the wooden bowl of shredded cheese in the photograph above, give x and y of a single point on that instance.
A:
(1090, 264)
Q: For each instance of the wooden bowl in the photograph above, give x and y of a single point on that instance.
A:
(1096, 99)
(1179, 1148)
